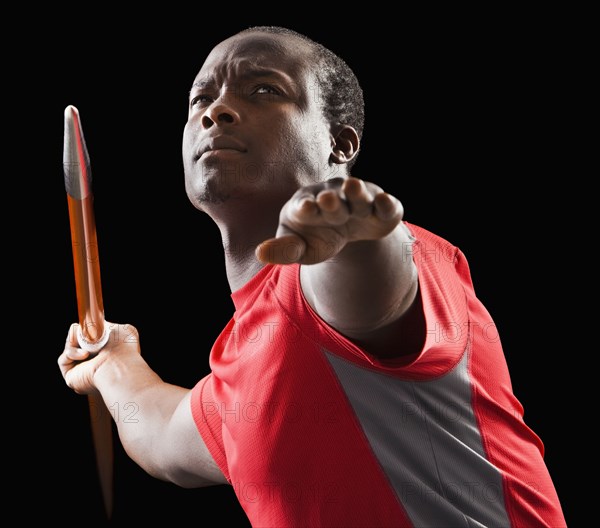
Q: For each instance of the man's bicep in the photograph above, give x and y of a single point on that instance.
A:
(190, 463)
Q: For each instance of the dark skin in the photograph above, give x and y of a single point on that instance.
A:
(257, 93)
(263, 162)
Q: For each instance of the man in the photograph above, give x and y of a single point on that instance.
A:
(360, 381)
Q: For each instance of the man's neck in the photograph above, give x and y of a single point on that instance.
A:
(241, 232)
(240, 273)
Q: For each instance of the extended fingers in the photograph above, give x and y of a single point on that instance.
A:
(334, 204)
(364, 200)
(308, 209)
(388, 207)
(358, 197)
(354, 198)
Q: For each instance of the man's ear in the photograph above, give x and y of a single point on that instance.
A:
(344, 144)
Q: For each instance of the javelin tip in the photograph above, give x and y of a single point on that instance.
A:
(76, 160)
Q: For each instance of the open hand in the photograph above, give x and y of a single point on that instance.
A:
(319, 220)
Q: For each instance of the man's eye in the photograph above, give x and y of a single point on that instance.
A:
(200, 99)
(266, 89)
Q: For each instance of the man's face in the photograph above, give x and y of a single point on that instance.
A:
(255, 127)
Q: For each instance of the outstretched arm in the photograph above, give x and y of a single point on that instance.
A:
(161, 436)
(359, 274)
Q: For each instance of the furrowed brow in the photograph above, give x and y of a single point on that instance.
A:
(202, 84)
(255, 73)
(248, 74)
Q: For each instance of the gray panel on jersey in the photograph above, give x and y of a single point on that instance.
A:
(425, 436)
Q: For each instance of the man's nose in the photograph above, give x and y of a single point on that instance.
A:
(220, 112)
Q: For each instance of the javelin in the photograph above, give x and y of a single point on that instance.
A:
(93, 331)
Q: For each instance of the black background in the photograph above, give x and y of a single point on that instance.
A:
(457, 126)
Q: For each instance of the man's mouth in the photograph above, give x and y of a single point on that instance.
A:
(219, 145)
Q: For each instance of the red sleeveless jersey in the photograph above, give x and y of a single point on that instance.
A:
(311, 430)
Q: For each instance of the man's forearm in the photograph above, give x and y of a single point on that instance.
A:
(367, 285)
(141, 404)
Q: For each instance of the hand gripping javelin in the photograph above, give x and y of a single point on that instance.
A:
(93, 331)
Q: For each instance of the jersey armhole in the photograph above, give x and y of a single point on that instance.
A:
(207, 416)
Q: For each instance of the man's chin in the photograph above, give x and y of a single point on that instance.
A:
(213, 188)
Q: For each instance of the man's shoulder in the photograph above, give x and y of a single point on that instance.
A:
(424, 235)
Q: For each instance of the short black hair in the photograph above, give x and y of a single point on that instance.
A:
(341, 94)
